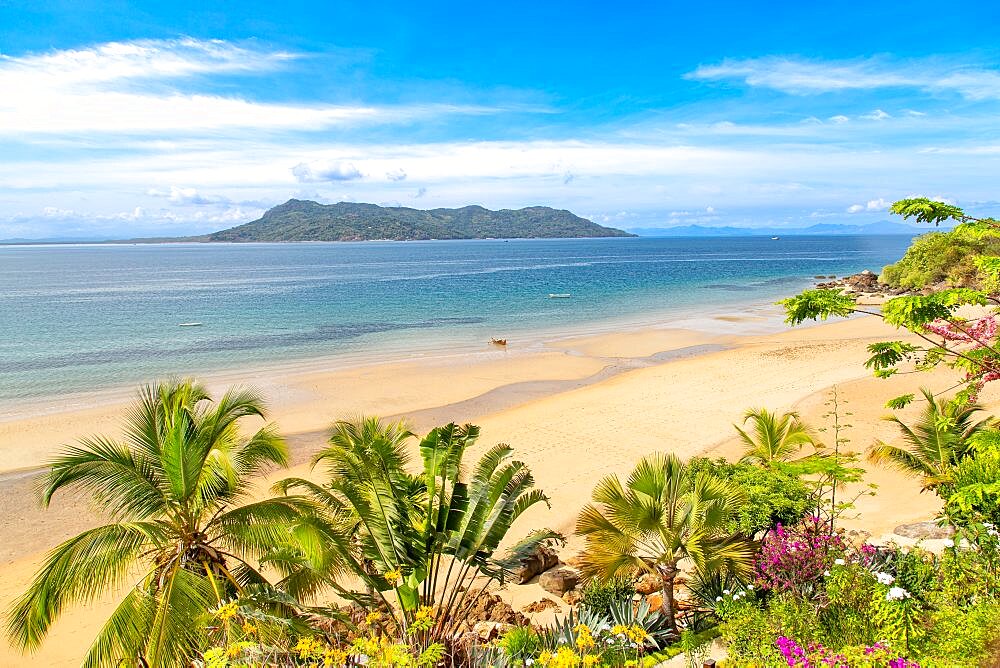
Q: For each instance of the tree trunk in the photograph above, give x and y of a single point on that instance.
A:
(667, 574)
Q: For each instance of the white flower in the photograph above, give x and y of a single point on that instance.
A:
(718, 599)
(611, 641)
(884, 578)
(529, 662)
(562, 641)
(726, 592)
(896, 594)
(826, 574)
(838, 562)
(948, 542)
(749, 586)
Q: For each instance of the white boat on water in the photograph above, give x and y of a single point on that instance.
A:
(559, 295)
(189, 324)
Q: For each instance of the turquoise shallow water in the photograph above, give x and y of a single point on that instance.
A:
(84, 317)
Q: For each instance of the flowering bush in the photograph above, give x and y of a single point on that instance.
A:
(815, 655)
(795, 560)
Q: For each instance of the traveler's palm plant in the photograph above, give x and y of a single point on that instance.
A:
(178, 542)
(933, 445)
(429, 538)
(658, 518)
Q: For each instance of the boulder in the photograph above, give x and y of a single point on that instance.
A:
(927, 530)
(573, 596)
(648, 583)
(536, 563)
(490, 631)
(540, 606)
(655, 602)
(487, 607)
(559, 580)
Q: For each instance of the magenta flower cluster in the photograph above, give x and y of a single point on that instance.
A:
(816, 655)
(793, 559)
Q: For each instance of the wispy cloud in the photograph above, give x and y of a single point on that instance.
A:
(800, 76)
(155, 86)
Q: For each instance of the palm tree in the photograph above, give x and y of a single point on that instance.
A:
(935, 443)
(430, 538)
(774, 438)
(172, 489)
(659, 518)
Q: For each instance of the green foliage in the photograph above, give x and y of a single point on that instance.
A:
(901, 401)
(773, 495)
(935, 443)
(658, 518)
(956, 258)
(173, 489)
(771, 437)
(426, 538)
(520, 644)
(749, 634)
(601, 595)
(974, 493)
(304, 220)
(926, 210)
(817, 305)
(889, 354)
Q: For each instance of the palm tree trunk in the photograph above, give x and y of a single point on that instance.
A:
(667, 574)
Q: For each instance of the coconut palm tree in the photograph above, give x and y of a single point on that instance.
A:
(773, 438)
(172, 489)
(430, 538)
(659, 517)
(935, 443)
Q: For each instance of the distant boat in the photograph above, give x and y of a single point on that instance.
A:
(775, 238)
(559, 295)
(189, 324)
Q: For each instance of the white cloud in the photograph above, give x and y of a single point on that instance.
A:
(855, 208)
(800, 76)
(872, 205)
(839, 119)
(132, 87)
(396, 175)
(325, 171)
(709, 209)
(877, 115)
(181, 196)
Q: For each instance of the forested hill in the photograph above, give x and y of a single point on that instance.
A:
(304, 220)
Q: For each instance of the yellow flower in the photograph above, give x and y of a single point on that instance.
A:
(373, 617)
(590, 660)
(545, 657)
(584, 639)
(249, 628)
(393, 576)
(227, 611)
(334, 656)
(619, 630)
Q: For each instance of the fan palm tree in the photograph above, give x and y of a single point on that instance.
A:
(938, 440)
(659, 517)
(773, 438)
(172, 488)
(430, 538)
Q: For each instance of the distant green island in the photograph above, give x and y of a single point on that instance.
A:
(304, 220)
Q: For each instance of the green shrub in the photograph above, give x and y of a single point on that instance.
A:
(520, 644)
(599, 596)
(773, 496)
(942, 257)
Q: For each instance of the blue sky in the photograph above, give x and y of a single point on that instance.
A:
(128, 118)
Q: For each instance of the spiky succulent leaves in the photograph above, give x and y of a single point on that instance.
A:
(935, 442)
(772, 437)
(171, 487)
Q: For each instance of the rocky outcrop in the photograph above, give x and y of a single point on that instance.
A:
(559, 580)
(648, 583)
(865, 286)
(542, 559)
(487, 607)
(924, 530)
(540, 606)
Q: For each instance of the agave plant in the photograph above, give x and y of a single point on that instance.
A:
(933, 445)
(172, 488)
(419, 543)
(658, 518)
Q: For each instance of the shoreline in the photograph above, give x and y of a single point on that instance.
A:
(736, 319)
(575, 410)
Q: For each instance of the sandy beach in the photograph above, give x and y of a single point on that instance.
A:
(574, 410)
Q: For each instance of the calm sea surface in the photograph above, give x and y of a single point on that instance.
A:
(85, 317)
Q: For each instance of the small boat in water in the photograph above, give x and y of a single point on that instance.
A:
(775, 238)
(189, 324)
(559, 295)
(498, 342)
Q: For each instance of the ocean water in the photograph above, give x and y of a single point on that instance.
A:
(78, 318)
